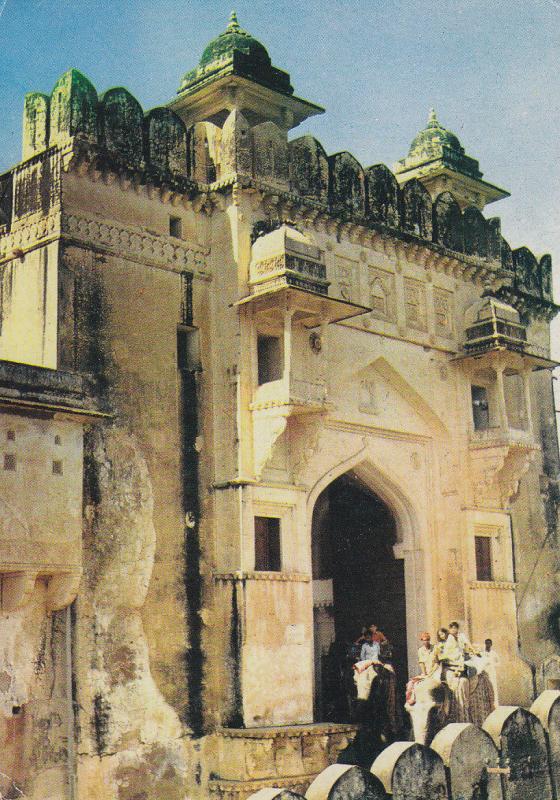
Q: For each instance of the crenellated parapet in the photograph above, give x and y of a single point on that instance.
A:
(112, 133)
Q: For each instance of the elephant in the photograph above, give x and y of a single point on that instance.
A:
(457, 699)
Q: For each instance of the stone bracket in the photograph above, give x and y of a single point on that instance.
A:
(496, 470)
(16, 589)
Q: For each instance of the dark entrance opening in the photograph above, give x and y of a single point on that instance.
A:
(356, 581)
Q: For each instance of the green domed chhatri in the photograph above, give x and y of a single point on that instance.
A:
(434, 143)
(433, 137)
(234, 38)
(236, 52)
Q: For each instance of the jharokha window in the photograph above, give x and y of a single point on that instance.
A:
(269, 355)
(480, 408)
(267, 544)
(483, 556)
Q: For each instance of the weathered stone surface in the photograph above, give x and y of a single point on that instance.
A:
(411, 771)
(122, 121)
(448, 222)
(126, 704)
(236, 152)
(547, 708)
(166, 142)
(73, 109)
(202, 151)
(475, 232)
(35, 123)
(417, 209)
(545, 268)
(274, 793)
(270, 152)
(346, 184)
(526, 271)
(494, 227)
(467, 751)
(383, 195)
(345, 782)
(520, 737)
(309, 168)
(506, 254)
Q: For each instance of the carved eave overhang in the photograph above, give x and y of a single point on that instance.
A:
(311, 309)
(358, 229)
(437, 176)
(530, 306)
(209, 98)
(516, 356)
(37, 391)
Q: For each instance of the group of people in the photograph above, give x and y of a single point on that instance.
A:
(450, 655)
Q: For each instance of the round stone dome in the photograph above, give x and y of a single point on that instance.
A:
(434, 137)
(234, 38)
(236, 52)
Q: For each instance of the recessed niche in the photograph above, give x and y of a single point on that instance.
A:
(57, 468)
(57, 439)
(10, 462)
(11, 436)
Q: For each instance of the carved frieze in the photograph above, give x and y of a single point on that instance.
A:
(134, 243)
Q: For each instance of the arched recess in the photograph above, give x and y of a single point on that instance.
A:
(408, 548)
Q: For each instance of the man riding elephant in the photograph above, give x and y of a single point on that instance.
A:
(457, 690)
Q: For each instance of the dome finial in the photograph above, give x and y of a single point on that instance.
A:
(233, 23)
(433, 121)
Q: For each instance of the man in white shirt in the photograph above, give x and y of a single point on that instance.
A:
(426, 654)
(491, 660)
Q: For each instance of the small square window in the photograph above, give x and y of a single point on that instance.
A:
(176, 227)
(57, 468)
(10, 462)
(11, 436)
(267, 544)
(483, 555)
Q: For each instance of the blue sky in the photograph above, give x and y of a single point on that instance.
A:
(491, 69)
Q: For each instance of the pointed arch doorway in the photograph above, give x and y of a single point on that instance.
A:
(357, 580)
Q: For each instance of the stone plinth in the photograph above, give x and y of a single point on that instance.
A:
(289, 757)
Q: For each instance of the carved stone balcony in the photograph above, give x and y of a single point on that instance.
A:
(291, 396)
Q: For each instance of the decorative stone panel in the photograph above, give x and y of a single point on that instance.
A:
(443, 312)
(346, 278)
(381, 294)
(415, 304)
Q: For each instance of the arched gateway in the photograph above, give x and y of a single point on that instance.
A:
(358, 579)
